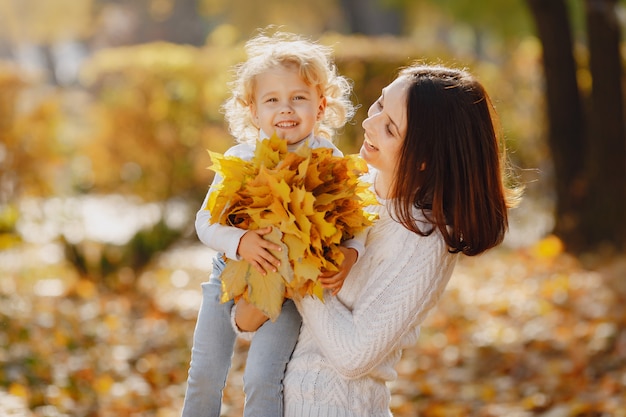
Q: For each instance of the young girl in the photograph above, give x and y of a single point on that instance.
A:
(290, 87)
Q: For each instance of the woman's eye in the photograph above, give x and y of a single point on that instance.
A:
(388, 127)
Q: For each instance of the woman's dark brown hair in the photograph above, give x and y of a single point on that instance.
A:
(450, 165)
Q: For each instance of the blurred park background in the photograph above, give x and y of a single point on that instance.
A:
(107, 108)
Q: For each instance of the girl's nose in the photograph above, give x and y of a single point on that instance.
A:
(286, 108)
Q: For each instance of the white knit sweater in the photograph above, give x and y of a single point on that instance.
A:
(349, 345)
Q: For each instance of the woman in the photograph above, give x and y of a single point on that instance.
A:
(437, 169)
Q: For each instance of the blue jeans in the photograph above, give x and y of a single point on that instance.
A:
(212, 351)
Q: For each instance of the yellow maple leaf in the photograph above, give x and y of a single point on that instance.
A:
(266, 292)
(299, 249)
(311, 287)
(234, 172)
(313, 178)
(235, 279)
(275, 211)
(260, 195)
(293, 168)
(301, 204)
(334, 257)
(328, 231)
(271, 153)
(309, 268)
(230, 167)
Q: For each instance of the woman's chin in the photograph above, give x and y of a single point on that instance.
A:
(365, 154)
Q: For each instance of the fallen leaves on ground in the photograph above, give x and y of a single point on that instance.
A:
(524, 332)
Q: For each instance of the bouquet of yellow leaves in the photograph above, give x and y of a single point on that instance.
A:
(312, 199)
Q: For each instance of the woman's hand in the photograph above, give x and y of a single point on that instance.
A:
(334, 280)
(247, 317)
(254, 249)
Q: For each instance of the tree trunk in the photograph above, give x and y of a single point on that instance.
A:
(565, 116)
(605, 209)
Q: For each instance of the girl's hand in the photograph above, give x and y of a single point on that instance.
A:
(334, 280)
(254, 249)
(247, 317)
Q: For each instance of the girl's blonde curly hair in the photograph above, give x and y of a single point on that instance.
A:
(316, 68)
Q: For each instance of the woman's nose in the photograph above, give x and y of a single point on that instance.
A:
(366, 122)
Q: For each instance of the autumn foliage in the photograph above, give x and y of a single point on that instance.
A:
(519, 332)
(312, 199)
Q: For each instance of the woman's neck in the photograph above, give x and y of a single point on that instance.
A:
(382, 185)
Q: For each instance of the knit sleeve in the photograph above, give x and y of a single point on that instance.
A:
(396, 287)
(357, 243)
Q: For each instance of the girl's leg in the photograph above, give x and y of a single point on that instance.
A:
(211, 354)
(269, 352)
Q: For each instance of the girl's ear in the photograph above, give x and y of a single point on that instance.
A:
(255, 116)
(321, 109)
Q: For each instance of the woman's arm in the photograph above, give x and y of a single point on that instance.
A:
(334, 280)
(395, 295)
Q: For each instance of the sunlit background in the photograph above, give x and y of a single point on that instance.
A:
(107, 109)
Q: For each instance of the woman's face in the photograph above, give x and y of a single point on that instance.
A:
(385, 127)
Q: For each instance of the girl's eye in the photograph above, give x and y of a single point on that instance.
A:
(387, 126)
(270, 100)
(299, 98)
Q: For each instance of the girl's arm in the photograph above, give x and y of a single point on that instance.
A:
(232, 241)
(218, 237)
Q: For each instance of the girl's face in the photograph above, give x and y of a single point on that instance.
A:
(285, 104)
(385, 127)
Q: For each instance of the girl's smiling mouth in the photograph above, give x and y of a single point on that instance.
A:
(286, 124)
